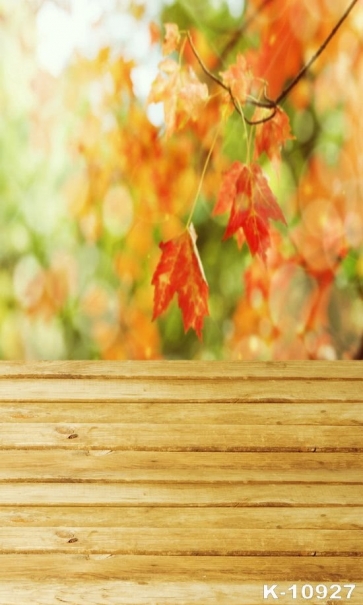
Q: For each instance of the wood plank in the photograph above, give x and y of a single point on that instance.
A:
(179, 437)
(187, 370)
(94, 467)
(75, 569)
(83, 494)
(337, 518)
(180, 390)
(201, 541)
(179, 467)
(129, 592)
(270, 461)
(341, 414)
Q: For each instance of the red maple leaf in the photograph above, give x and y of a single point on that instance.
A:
(180, 272)
(271, 135)
(245, 192)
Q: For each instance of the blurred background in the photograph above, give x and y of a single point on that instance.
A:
(89, 185)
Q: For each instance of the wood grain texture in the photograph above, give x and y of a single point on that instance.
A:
(110, 466)
(179, 437)
(187, 370)
(350, 414)
(180, 494)
(179, 482)
(329, 518)
(173, 541)
(71, 569)
(179, 390)
(128, 592)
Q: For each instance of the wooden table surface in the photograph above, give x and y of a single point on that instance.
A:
(181, 483)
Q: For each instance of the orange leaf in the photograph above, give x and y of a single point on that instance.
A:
(245, 192)
(181, 92)
(227, 192)
(271, 135)
(172, 38)
(180, 272)
(238, 78)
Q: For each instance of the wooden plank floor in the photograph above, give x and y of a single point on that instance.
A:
(181, 483)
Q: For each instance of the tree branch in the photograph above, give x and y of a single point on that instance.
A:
(204, 67)
(270, 103)
(307, 66)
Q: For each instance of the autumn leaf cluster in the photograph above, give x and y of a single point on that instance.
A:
(244, 192)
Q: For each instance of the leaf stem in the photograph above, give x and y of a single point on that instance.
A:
(203, 175)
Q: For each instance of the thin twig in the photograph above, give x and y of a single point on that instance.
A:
(204, 67)
(268, 104)
(262, 120)
(307, 66)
